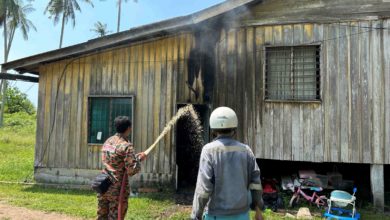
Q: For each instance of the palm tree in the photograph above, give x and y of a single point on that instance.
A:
(100, 29)
(119, 13)
(19, 21)
(7, 9)
(12, 16)
(64, 9)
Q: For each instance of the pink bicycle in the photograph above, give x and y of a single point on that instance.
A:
(298, 187)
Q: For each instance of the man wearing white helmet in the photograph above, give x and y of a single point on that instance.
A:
(227, 172)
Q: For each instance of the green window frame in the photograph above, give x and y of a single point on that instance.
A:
(102, 110)
(292, 73)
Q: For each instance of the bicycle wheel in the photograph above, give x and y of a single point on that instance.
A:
(293, 201)
(322, 202)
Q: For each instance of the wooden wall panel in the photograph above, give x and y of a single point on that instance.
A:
(148, 70)
(288, 39)
(50, 144)
(331, 104)
(318, 116)
(161, 108)
(296, 112)
(355, 94)
(386, 69)
(255, 38)
(84, 89)
(377, 85)
(268, 108)
(40, 141)
(365, 63)
(242, 77)
(350, 122)
(344, 85)
(46, 125)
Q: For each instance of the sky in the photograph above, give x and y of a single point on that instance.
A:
(47, 36)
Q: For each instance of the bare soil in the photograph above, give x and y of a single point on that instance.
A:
(8, 212)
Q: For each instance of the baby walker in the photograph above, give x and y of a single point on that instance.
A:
(337, 204)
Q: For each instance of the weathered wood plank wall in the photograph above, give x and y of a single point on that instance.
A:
(149, 71)
(350, 124)
(386, 68)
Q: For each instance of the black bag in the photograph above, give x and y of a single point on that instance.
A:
(101, 183)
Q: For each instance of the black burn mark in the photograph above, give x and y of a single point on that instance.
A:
(201, 61)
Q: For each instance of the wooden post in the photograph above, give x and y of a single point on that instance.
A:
(377, 186)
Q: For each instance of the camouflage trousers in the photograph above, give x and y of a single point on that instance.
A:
(108, 202)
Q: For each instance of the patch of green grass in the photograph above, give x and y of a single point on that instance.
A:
(73, 202)
(83, 203)
(17, 140)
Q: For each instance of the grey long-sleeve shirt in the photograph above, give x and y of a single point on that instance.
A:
(227, 171)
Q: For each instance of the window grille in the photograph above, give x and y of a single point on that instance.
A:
(292, 73)
(102, 112)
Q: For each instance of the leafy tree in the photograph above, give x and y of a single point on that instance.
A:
(64, 10)
(17, 101)
(12, 16)
(100, 29)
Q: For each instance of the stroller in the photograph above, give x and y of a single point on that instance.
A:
(272, 199)
(337, 204)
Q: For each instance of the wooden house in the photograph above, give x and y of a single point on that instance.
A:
(309, 80)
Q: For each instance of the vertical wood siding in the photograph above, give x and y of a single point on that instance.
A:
(350, 124)
(148, 70)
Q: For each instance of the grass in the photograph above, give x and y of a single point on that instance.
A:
(17, 139)
(83, 203)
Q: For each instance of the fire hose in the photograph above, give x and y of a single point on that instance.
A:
(168, 127)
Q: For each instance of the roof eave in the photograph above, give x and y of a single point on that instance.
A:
(31, 64)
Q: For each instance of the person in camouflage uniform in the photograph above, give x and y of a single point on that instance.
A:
(119, 161)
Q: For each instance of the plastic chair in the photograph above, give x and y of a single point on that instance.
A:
(337, 204)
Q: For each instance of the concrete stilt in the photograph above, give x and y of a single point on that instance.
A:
(377, 186)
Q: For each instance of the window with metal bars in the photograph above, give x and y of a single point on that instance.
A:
(292, 73)
(102, 112)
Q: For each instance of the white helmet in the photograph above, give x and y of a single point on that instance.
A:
(222, 118)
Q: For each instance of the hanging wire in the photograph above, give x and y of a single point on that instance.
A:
(29, 88)
(42, 155)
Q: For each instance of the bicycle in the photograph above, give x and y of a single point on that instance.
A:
(297, 188)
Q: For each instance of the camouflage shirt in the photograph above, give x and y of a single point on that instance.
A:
(117, 156)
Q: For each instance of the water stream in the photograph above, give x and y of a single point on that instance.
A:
(195, 128)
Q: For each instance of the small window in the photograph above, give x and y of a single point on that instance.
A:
(102, 112)
(292, 73)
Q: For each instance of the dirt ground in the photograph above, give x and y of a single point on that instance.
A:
(8, 212)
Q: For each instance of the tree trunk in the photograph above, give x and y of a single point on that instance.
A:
(5, 37)
(4, 82)
(10, 39)
(3, 100)
(62, 29)
(1, 104)
(119, 15)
